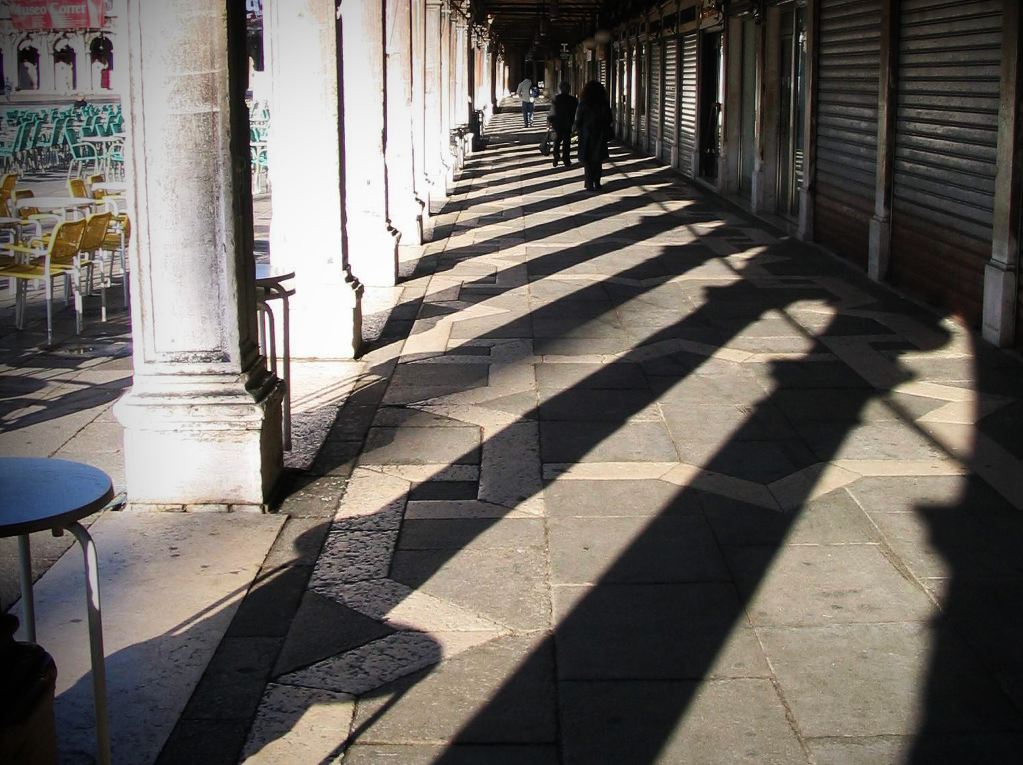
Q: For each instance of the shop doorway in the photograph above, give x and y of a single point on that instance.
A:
(711, 98)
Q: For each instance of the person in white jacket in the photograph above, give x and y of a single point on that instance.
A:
(525, 93)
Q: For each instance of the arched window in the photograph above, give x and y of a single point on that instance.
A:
(101, 57)
(65, 66)
(28, 66)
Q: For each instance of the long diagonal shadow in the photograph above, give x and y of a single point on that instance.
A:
(610, 639)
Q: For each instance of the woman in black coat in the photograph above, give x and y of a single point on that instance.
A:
(593, 124)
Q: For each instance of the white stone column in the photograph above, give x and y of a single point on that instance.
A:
(422, 186)
(436, 142)
(203, 417)
(404, 208)
(372, 242)
(446, 93)
(304, 149)
(1001, 274)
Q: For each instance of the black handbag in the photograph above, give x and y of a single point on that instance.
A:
(545, 144)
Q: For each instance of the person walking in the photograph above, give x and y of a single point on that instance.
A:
(561, 120)
(593, 124)
(525, 93)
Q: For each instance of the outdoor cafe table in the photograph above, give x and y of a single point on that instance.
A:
(60, 205)
(40, 494)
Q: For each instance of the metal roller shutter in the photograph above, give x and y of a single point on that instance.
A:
(670, 99)
(656, 54)
(945, 138)
(642, 93)
(848, 82)
(687, 106)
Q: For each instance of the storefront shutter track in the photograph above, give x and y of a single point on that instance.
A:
(670, 98)
(687, 106)
(848, 72)
(656, 53)
(945, 140)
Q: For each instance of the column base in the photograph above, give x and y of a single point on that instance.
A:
(880, 248)
(805, 232)
(326, 320)
(373, 255)
(1000, 295)
(756, 190)
(203, 442)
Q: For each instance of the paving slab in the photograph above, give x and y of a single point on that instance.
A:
(740, 720)
(499, 693)
(690, 631)
(878, 679)
(667, 548)
(170, 584)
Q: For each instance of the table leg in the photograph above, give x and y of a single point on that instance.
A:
(99, 675)
(28, 603)
(286, 330)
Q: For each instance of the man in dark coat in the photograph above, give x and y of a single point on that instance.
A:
(593, 124)
(562, 118)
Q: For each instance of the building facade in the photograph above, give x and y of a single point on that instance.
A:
(887, 131)
(46, 55)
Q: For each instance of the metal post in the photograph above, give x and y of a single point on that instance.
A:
(99, 675)
(28, 603)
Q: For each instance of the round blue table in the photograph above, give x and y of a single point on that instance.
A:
(39, 494)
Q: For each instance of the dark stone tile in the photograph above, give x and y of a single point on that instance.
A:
(818, 374)
(616, 376)
(591, 405)
(420, 446)
(450, 377)
(211, 742)
(324, 628)
(479, 533)
(445, 490)
(654, 632)
(233, 683)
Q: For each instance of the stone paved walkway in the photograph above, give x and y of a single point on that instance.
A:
(633, 479)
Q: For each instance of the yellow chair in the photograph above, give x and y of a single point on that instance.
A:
(76, 187)
(117, 240)
(7, 185)
(93, 240)
(47, 260)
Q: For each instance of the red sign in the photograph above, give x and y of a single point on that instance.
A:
(34, 15)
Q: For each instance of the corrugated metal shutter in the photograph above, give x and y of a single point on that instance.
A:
(656, 54)
(945, 139)
(848, 82)
(670, 98)
(687, 106)
(642, 93)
